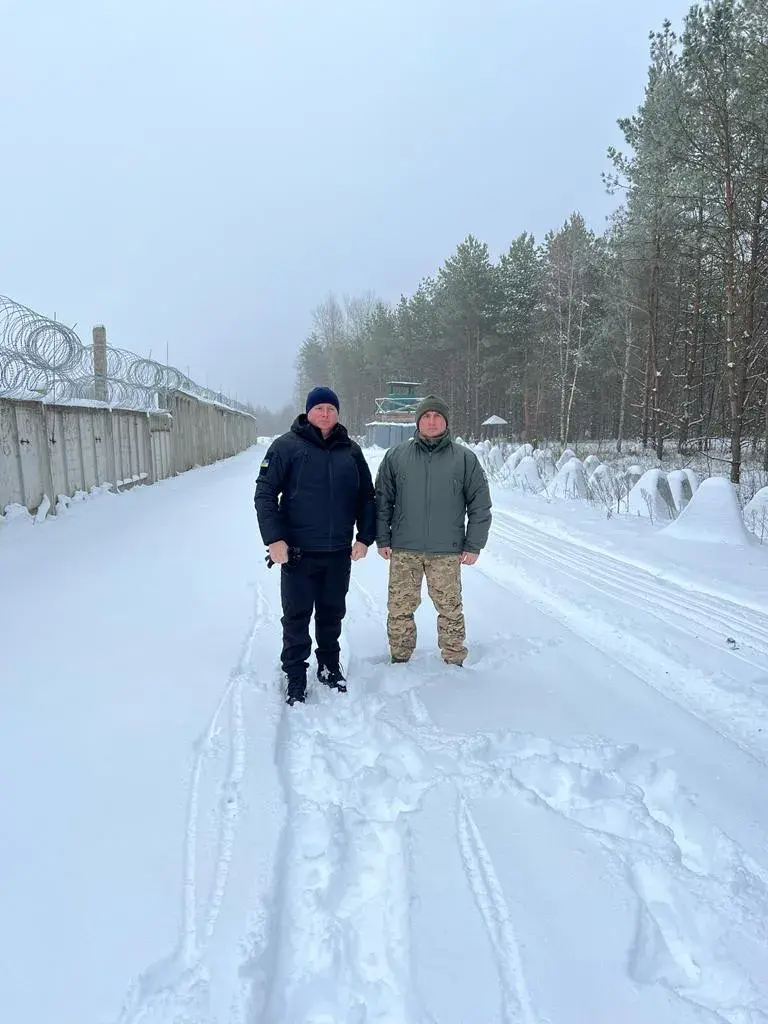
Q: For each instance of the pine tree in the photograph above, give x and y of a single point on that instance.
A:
(514, 362)
(469, 302)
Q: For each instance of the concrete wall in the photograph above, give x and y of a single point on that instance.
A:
(58, 450)
(202, 433)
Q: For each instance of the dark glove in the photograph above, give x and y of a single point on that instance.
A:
(294, 557)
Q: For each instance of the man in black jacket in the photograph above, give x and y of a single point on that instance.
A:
(314, 486)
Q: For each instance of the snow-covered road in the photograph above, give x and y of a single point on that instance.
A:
(572, 829)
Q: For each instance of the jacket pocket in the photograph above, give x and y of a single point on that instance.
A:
(298, 470)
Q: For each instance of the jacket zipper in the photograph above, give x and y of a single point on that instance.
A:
(330, 491)
(427, 502)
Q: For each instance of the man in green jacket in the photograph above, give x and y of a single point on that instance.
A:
(433, 514)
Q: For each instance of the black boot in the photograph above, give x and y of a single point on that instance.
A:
(297, 690)
(331, 675)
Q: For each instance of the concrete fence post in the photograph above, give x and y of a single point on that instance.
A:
(100, 363)
(152, 473)
(44, 453)
(109, 443)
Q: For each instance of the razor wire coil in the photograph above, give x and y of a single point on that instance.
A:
(44, 359)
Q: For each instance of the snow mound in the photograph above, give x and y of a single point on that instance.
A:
(546, 464)
(590, 465)
(527, 476)
(518, 455)
(632, 475)
(652, 497)
(712, 515)
(570, 481)
(16, 513)
(604, 485)
(680, 486)
(693, 479)
(43, 510)
(65, 501)
(494, 459)
(567, 455)
(756, 513)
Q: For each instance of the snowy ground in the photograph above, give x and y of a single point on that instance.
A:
(572, 829)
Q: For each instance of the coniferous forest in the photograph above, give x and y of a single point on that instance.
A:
(655, 329)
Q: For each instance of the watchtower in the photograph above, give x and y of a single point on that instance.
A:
(395, 414)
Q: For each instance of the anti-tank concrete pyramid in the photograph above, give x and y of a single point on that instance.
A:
(712, 515)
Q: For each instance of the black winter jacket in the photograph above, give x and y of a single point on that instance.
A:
(311, 491)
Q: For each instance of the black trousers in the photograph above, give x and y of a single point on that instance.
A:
(319, 583)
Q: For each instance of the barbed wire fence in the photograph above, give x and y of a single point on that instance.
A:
(43, 359)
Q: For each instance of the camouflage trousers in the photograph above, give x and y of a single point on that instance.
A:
(443, 572)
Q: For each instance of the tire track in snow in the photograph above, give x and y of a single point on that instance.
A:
(739, 715)
(489, 896)
(516, 1005)
(415, 724)
(230, 806)
(696, 612)
(470, 770)
(578, 544)
(178, 980)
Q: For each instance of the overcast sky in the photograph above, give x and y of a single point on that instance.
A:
(202, 172)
